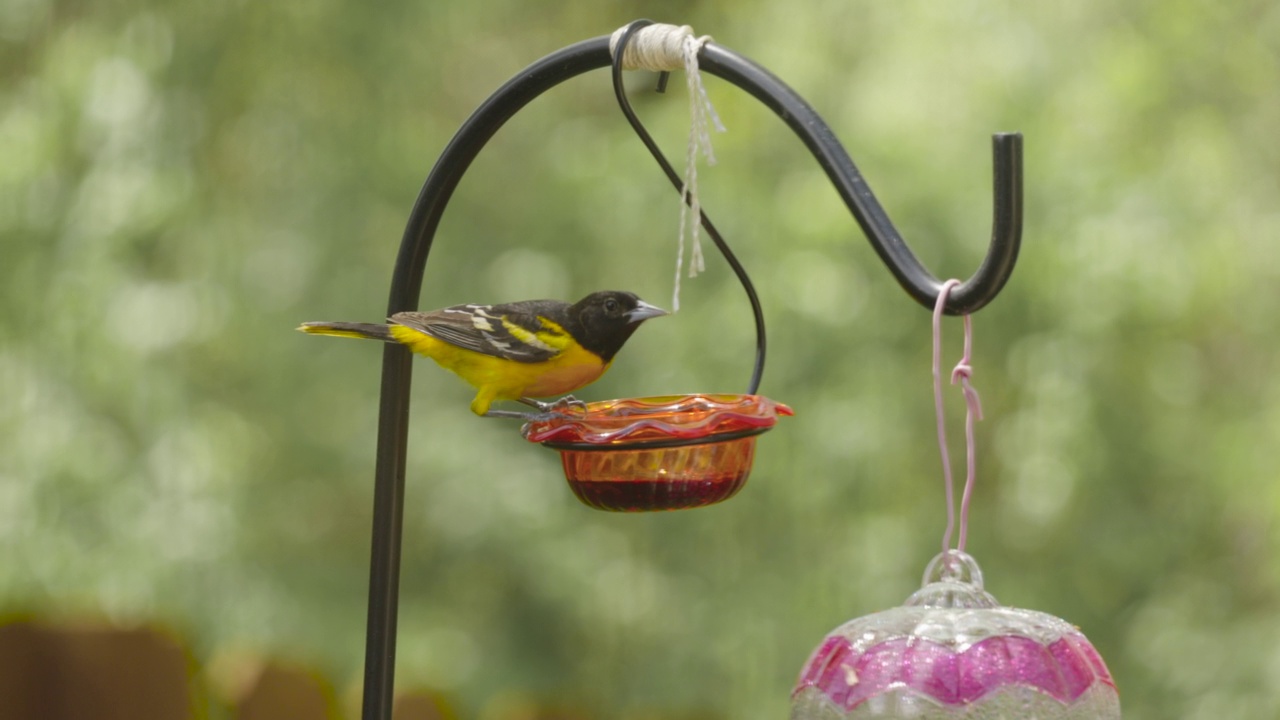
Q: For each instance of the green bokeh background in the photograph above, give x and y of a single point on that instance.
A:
(182, 183)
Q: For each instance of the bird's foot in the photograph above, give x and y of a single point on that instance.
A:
(564, 408)
(567, 406)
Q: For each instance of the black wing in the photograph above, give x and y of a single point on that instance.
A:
(505, 331)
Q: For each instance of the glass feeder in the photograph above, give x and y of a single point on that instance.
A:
(659, 453)
(952, 651)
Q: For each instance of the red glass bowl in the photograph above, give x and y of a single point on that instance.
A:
(659, 453)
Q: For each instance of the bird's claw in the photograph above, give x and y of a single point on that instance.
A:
(567, 407)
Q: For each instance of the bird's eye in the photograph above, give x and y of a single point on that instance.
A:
(611, 305)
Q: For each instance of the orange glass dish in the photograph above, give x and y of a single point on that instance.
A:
(659, 453)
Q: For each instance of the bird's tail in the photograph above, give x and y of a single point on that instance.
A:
(370, 331)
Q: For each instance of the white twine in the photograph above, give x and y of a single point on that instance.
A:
(663, 48)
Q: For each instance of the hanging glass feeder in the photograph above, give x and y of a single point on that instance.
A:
(659, 453)
(952, 651)
(669, 452)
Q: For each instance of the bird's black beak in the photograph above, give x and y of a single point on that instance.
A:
(644, 311)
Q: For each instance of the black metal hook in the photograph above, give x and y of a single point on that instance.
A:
(1006, 234)
(406, 283)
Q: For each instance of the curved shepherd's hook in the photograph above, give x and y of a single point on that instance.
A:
(406, 282)
(1006, 233)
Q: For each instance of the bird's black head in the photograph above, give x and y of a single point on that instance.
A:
(603, 321)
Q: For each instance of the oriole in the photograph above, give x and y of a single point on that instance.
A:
(514, 351)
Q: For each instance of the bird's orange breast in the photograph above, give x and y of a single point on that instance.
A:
(566, 372)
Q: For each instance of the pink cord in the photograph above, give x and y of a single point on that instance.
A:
(962, 374)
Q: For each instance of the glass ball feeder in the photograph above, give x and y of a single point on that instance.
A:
(952, 651)
(658, 453)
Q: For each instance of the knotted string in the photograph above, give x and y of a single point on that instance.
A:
(962, 374)
(663, 48)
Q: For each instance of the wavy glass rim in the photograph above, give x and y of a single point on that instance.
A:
(658, 422)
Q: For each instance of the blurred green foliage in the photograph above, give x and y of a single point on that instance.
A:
(181, 184)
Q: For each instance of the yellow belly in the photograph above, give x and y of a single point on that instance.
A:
(499, 379)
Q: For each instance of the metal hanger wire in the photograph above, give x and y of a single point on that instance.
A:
(620, 91)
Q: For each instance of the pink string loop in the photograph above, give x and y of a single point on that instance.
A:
(962, 374)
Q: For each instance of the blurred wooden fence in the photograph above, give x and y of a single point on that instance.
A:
(101, 673)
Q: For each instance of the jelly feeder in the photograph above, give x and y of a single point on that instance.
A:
(643, 453)
(659, 453)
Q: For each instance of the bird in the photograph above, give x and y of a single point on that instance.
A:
(514, 351)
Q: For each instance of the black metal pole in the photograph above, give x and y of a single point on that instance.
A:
(406, 283)
(397, 372)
